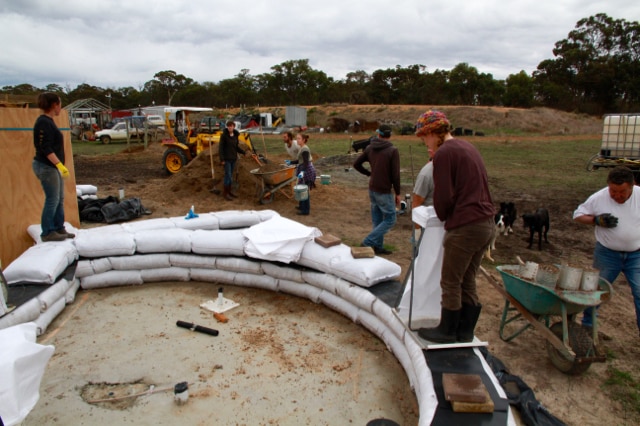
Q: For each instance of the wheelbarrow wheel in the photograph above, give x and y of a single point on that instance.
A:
(580, 342)
(267, 196)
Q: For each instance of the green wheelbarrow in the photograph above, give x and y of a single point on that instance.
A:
(570, 347)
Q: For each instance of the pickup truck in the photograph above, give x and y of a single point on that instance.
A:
(118, 132)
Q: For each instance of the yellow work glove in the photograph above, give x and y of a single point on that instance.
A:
(64, 172)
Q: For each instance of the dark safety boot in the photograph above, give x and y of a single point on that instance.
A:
(227, 193)
(446, 331)
(469, 315)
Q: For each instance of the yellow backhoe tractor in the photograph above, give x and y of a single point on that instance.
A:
(186, 141)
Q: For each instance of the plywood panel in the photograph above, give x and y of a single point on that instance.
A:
(21, 196)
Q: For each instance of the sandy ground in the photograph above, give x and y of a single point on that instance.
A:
(279, 360)
(341, 209)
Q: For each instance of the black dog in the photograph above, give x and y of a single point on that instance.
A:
(536, 222)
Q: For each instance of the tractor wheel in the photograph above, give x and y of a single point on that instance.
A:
(174, 160)
(105, 139)
(579, 341)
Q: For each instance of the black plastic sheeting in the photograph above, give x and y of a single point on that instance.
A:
(463, 361)
(521, 396)
(110, 210)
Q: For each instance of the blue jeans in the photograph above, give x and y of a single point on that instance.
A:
(383, 217)
(228, 172)
(611, 263)
(53, 211)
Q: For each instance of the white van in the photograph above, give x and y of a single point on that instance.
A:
(156, 121)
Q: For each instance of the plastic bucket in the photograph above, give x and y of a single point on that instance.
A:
(528, 271)
(301, 192)
(570, 278)
(547, 276)
(325, 179)
(589, 280)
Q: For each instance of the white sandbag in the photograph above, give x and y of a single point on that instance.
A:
(203, 221)
(184, 260)
(212, 275)
(300, 289)
(89, 197)
(257, 281)
(386, 314)
(425, 297)
(22, 365)
(239, 264)
(83, 268)
(140, 261)
(366, 272)
(42, 263)
(175, 240)
(148, 224)
(278, 239)
(28, 311)
(100, 265)
(49, 315)
(339, 305)
(78, 192)
(53, 294)
(234, 219)
(70, 295)
(111, 279)
(105, 241)
(35, 230)
(425, 392)
(282, 272)
(395, 345)
(224, 242)
(322, 280)
(87, 189)
(266, 214)
(357, 296)
(165, 274)
(317, 257)
(370, 322)
(397, 348)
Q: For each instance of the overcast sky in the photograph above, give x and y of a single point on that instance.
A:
(123, 43)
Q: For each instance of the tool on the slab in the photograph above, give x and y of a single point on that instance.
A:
(194, 327)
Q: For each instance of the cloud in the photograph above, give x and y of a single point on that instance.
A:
(121, 43)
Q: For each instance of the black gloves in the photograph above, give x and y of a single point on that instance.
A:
(606, 220)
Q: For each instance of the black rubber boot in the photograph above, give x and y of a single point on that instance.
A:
(469, 315)
(446, 331)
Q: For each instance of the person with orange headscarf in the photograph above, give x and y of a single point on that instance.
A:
(462, 200)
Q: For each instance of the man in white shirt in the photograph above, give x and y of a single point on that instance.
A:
(291, 145)
(615, 213)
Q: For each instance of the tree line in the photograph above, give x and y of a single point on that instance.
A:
(595, 70)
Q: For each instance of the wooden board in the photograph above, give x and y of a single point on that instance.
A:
(21, 196)
(362, 252)
(327, 240)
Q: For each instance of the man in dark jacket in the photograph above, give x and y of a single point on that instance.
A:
(228, 150)
(384, 186)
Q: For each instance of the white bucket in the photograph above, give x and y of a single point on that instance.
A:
(589, 280)
(569, 278)
(301, 192)
(528, 271)
(547, 276)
